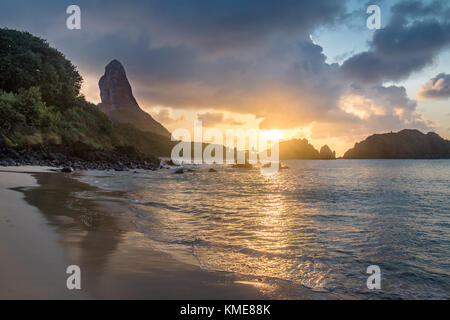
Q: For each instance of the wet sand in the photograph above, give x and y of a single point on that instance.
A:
(32, 263)
(49, 221)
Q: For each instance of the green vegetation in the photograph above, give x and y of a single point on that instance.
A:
(26, 119)
(40, 101)
(27, 61)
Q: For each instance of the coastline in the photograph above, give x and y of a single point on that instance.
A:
(47, 224)
(33, 263)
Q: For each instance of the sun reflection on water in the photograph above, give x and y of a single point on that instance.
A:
(317, 224)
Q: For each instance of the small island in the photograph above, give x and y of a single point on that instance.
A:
(405, 144)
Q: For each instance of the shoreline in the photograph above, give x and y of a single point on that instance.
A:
(116, 261)
(33, 263)
(77, 156)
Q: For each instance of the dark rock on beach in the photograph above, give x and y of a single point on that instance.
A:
(170, 163)
(77, 156)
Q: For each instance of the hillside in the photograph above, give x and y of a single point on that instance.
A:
(406, 144)
(40, 102)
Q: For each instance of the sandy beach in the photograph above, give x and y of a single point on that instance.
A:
(32, 259)
(46, 224)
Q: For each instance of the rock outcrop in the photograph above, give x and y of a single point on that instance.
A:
(119, 103)
(406, 144)
(301, 149)
(326, 153)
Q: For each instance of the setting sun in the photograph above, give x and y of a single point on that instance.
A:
(272, 135)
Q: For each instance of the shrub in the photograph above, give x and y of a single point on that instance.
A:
(10, 118)
(27, 61)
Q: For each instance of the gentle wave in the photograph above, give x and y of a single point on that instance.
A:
(319, 224)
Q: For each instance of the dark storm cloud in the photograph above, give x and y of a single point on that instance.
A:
(436, 88)
(419, 9)
(414, 37)
(219, 24)
(244, 56)
(201, 43)
(210, 24)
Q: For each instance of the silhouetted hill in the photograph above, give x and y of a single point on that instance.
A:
(406, 144)
(301, 149)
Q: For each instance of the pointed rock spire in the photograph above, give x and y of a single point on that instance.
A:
(119, 103)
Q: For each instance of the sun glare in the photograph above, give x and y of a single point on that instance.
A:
(272, 135)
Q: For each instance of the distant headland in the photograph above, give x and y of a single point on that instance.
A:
(405, 144)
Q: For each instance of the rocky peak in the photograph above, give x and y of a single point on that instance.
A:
(115, 90)
(326, 153)
(119, 103)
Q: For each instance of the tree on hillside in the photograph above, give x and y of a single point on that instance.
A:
(27, 61)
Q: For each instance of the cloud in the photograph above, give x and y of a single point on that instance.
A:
(164, 115)
(368, 109)
(413, 38)
(213, 25)
(218, 25)
(420, 9)
(211, 119)
(251, 57)
(436, 88)
(343, 56)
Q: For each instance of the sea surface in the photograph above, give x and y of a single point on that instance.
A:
(318, 224)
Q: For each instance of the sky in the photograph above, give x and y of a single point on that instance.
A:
(311, 69)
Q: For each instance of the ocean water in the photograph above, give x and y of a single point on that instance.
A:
(318, 224)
